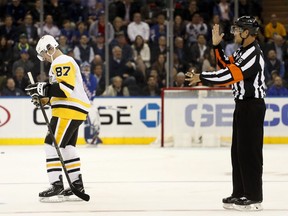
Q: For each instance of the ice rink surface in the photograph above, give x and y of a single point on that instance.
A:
(140, 181)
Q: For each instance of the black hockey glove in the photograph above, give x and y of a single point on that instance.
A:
(39, 89)
(36, 101)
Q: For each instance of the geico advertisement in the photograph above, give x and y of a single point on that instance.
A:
(139, 119)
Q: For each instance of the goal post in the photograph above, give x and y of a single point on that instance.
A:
(196, 116)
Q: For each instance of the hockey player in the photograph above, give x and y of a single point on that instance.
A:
(70, 106)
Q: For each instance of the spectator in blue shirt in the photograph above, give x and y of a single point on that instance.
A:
(277, 89)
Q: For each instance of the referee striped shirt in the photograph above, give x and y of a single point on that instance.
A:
(244, 70)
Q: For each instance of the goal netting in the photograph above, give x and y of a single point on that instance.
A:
(196, 117)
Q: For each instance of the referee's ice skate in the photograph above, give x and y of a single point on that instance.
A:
(54, 193)
(244, 204)
(228, 202)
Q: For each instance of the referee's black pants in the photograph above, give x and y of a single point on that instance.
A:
(246, 150)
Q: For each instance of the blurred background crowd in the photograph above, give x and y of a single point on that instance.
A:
(137, 38)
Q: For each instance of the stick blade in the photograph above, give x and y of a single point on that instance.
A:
(81, 195)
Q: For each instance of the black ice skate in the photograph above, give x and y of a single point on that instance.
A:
(68, 194)
(228, 202)
(54, 193)
(244, 204)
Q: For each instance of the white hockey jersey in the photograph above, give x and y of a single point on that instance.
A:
(65, 71)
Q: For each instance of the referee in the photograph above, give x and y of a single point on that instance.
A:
(244, 70)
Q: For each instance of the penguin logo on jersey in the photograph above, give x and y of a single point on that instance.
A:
(4, 116)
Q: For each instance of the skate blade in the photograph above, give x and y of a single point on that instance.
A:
(228, 206)
(53, 199)
(251, 207)
(72, 198)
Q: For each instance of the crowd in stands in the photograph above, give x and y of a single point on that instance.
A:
(137, 37)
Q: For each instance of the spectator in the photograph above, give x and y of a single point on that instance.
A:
(154, 73)
(11, 90)
(119, 66)
(278, 44)
(100, 79)
(89, 80)
(57, 10)
(160, 66)
(184, 54)
(116, 88)
(178, 65)
(6, 57)
(223, 28)
(24, 45)
(274, 27)
(188, 12)
(180, 80)
(67, 30)
(3, 5)
(274, 74)
(179, 27)
(247, 7)
(70, 52)
(119, 26)
(141, 53)
(158, 29)
(222, 9)
(272, 63)
(98, 26)
(198, 50)
(209, 62)
(84, 52)
(137, 27)
(81, 29)
(99, 45)
(77, 12)
(17, 10)
(21, 81)
(29, 30)
(158, 49)
(151, 89)
(194, 28)
(35, 11)
(25, 63)
(63, 44)
(8, 30)
(277, 89)
(126, 9)
(49, 27)
(97, 60)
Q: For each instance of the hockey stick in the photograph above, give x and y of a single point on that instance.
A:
(78, 193)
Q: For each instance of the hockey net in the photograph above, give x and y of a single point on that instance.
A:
(196, 117)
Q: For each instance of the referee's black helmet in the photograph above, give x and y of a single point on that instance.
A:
(249, 23)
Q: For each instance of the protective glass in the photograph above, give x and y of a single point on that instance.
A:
(235, 29)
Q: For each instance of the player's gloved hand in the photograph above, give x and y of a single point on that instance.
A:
(44, 101)
(36, 101)
(39, 89)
